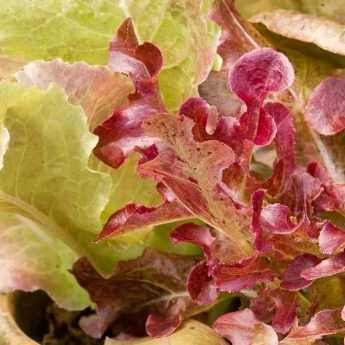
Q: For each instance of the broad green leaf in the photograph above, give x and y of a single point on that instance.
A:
(50, 197)
(192, 333)
(99, 91)
(72, 30)
(31, 259)
(186, 37)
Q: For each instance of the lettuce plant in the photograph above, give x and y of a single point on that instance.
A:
(198, 173)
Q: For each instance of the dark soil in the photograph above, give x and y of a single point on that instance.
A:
(47, 324)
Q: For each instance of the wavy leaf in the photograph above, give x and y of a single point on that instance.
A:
(45, 189)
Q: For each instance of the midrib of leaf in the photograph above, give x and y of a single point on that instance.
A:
(163, 298)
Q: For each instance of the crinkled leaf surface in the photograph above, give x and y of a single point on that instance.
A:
(50, 198)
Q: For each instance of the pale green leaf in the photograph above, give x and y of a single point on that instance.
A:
(192, 333)
(72, 30)
(49, 195)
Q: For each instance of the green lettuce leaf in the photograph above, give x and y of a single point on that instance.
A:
(50, 200)
(98, 91)
(81, 31)
(72, 30)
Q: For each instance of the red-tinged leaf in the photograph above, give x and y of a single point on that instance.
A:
(260, 72)
(238, 35)
(278, 307)
(232, 278)
(275, 219)
(331, 239)
(151, 286)
(242, 328)
(96, 88)
(194, 172)
(209, 125)
(258, 126)
(326, 268)
(266, 130)
(161, 326)
(292, 278)
(300, 193)
(257, 202)
(325, 322)
(136, 217)
(285, 136)
(325, 111)
(200, 284)
(122, 132)
(332, 197)
(204, 116)
(127, 56)
(199, 235)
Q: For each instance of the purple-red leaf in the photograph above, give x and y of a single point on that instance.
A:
(260, 72)
(201, 286)
(136, 217)
(325, 322)
(122, 132)
(152, 286)
(199, 235)
(325, 110)
(292, 278)
(326, 268)
(232, 278)
(278, 307)
(331, 239)
(242, 328)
